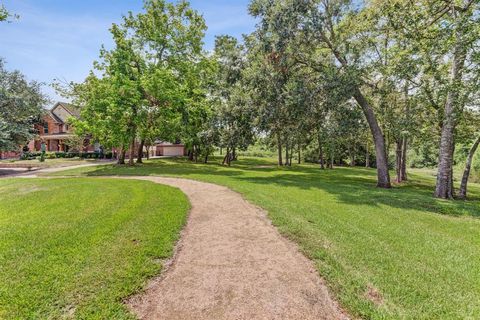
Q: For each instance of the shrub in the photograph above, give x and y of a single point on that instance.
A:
(50, 155)
(30, 155)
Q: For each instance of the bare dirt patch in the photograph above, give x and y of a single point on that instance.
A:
(374, 295)
(231, 263)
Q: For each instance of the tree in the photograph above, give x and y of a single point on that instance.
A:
(21, 105)
(5, 14)
(266, 81)
(234, 113)
(152, 76)
(445, 35)
(169, 37)
(460, 20)
(315, 32)
(466, 173)
(110, 103)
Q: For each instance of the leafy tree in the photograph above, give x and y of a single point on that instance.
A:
(445, 37)
(170, 38)
(234, 113)
(316, 32)
(5, 14)
(267, 77)
(110, 104)
(151, 76)
(21, 105)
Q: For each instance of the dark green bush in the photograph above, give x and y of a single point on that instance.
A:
(29, 155)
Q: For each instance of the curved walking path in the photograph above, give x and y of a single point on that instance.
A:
(231, 263)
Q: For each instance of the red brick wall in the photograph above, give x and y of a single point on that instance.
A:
(53, 127)
(9, 154)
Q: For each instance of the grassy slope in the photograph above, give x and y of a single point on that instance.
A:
(51, 163)
(78, 247)
(385, 253)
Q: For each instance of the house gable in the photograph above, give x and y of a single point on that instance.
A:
(63, 111)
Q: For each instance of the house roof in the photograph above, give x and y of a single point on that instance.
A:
(54, 117)
(73, 110)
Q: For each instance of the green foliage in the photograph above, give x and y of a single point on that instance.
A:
(77, 247)
(234, 110)
(21, 106)
(152, 83)
(3, 13)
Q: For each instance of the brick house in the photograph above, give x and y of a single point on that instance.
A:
(55, 131)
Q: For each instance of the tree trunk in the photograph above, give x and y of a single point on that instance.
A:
(225, 159)
(383, 176)
(444, 185)
(140, 151)
(398, 161)
(332, 157)
(131, 153)
(299, 154)
(121, 156)
(367, 157)
(352, 157)
(466, 173)
(286, 152)
(291, 157)
(206, 158)
(320, 151)
(228, 157)
(403, 168)
(279, 145)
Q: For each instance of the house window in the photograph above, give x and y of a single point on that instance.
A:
(60, 128)
(45, 128)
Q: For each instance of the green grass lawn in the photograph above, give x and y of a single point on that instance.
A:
(78, 247)
(386, 254)
(52, 163)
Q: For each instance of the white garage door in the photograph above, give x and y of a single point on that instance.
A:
(173, 151)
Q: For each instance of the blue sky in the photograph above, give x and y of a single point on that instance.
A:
(59, 39)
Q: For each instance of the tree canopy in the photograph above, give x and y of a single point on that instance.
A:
(387, 84)
(21, 105)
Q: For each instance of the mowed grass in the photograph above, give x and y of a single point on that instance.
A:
(52, 163)
(386, 254)
(75, 248)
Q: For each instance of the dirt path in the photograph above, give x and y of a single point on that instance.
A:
(233, 264)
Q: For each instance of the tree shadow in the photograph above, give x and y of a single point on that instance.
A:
(351, 186)
(357, 187)
(163, 167)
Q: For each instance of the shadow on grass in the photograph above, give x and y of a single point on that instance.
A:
(352, 186)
